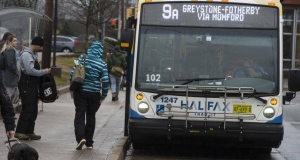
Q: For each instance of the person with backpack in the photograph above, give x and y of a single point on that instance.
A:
(10, 72)
(116, 60)
(87, 98)
(29, 88)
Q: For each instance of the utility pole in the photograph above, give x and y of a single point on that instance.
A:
(46, 56)
(54, 36)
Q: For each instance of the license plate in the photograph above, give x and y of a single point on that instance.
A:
(242, 108)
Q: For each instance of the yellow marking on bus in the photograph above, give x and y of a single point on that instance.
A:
(124, 44)
(209, 0)
(225, 0)
(148, 0)
(194, 131)
(194, 0)
(271, 4)
(211, 129)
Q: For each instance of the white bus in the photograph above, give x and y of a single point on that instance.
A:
(208, 71)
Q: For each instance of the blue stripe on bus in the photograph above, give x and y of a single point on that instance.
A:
(134, 114)
(276, 120)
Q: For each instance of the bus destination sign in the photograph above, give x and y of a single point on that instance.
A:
(209, 15)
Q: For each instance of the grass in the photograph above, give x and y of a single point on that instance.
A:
(65, 63)
(64, 80)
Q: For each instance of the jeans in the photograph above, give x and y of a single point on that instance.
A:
(115, 84)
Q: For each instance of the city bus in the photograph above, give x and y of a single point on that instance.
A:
(207, 72)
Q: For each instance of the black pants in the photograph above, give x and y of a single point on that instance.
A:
(87, 104)
(29, 99)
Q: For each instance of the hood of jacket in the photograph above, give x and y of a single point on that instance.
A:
(27, 49)
(117, 53)
(96, 49)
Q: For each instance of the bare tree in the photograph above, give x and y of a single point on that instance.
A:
(21, 3)
(89, 12)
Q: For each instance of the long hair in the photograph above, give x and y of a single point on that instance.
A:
(3, 40)
(7, 43)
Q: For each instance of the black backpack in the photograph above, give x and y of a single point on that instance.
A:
(3, 61)
(47, 91)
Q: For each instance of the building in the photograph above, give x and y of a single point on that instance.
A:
(291, 34)
(132, 3)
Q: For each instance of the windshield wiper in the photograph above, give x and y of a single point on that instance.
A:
(197, 79)
(254, 95)
(260, 99)
(187, 82)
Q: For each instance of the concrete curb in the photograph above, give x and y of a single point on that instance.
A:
(63, 90)
(119, 149)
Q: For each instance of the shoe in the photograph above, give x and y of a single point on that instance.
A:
(34, 136)
(117, 98)
(89, 147)
(21, 136)
(80, 144)
(113, 97)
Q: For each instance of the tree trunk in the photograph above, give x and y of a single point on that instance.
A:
(46, 56)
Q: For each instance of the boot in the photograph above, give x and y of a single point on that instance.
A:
(34, 136)
(21, 136)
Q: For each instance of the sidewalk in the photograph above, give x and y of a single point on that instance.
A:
(56, 125)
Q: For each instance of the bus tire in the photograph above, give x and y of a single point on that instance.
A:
(138, 145)
(264, 150)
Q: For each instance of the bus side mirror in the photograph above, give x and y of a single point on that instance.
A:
(293, 85)
(288, 97)
(294, 80)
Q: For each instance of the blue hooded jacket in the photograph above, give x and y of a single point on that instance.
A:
(95, 70)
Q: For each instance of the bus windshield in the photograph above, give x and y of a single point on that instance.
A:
(234, 57)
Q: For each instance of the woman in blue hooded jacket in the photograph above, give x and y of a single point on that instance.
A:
(88, 99)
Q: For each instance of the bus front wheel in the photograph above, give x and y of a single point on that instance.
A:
(264, 150)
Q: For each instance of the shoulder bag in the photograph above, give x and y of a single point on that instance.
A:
(78, 76)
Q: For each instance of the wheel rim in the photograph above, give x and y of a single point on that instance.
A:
(66, 50)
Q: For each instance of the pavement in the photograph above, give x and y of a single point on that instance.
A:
(55, 123)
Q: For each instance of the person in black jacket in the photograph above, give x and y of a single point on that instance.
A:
(7, 111)
(2, 42)
(29, 88)
(11, 73)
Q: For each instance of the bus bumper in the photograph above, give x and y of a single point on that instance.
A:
(262, 135)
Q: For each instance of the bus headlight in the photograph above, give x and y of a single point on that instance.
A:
(143, 107)
(269, 112)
